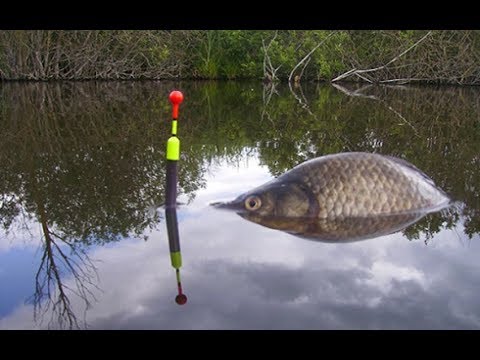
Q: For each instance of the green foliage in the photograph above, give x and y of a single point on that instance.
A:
(447, 56)
(91, 155)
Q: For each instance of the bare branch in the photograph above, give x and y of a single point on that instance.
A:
(358, 72)
(308, 56)
(269, 71)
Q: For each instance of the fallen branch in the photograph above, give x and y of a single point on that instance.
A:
(358, 72)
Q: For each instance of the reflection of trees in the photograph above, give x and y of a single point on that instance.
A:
(93, 151)
(60, 256)
(432, 224)
(87, 159)
(51, 292)
(434, 128)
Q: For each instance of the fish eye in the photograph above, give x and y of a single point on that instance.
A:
(253, 203)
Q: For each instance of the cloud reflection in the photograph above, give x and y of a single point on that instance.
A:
(238, 275)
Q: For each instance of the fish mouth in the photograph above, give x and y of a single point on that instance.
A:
(234, 205)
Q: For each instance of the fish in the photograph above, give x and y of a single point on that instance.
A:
(342, 197)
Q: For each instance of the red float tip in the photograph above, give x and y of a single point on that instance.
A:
(181, 299)
(176, 97)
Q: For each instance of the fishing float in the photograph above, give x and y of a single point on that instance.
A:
(173, 155)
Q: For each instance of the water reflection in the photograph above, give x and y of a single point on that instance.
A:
(341, 229)
(52, 295)
(85, 163)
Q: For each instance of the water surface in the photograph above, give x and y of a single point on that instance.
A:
(83, 241)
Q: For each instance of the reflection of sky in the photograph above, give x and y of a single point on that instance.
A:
(17, 268)
(239, 275)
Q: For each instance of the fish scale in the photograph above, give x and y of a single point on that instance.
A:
(364, 184)
(342, 197)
